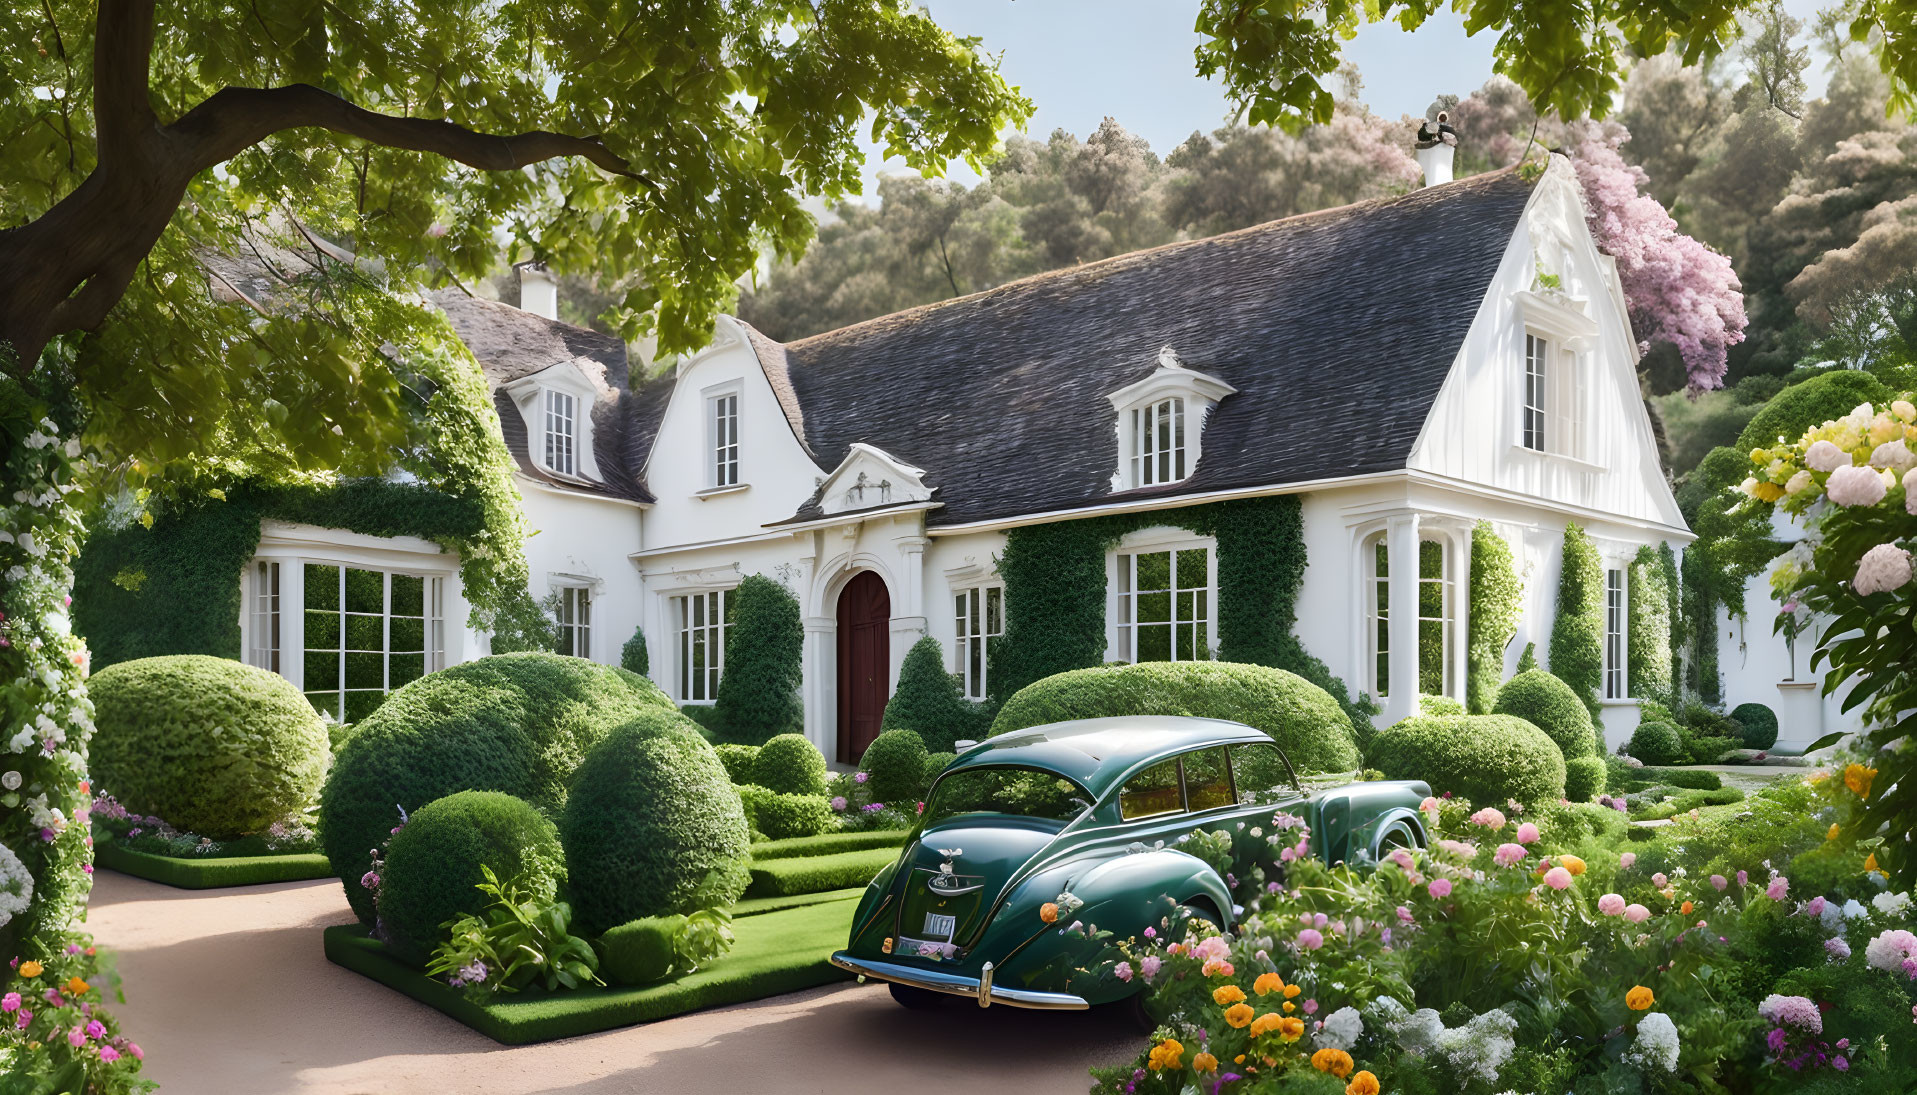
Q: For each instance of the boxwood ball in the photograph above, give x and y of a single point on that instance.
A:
(432, 871)
(1484, 758)
(1549, 704)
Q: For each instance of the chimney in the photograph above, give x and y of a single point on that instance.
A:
(1436, 146)
(538, 290)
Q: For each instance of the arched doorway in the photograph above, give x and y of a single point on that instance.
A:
(865, 662)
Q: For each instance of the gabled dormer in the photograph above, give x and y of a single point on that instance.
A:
(1161, 423)
(557, 404)
(869, 477)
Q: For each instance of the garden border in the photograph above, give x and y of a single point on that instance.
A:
(213, 873)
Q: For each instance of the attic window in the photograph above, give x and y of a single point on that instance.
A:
(562, 426)
(1158, 442)
(1161, 420)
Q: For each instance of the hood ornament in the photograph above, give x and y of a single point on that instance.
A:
(948, 884)
(950, 854)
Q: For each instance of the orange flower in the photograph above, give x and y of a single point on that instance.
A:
(1290, 1007)
(1291, 1029)
(1364, 1083)
(77, 987)
(1048, 912)
(1238, 1016)
(1857, 778)
(1227, 994)
(1335, 1061)
(1571, 863)
(30, 968)
(1292, 991)
(1686, 908)
(1264, 1024)
(1870, 867)
(1205, 1062)
(1834, 830)
(1166, 1054)
(1238, 1060)
(1639, 998)
(1267, 984)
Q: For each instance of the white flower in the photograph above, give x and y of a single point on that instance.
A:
(1910, 492)
(1850, 486)
(1655, 1047)
(1342, 1029)
(1903, 409)
(1890, 950)
(16, 885)
(11, 781)
(1479, 1048)
(1824, 456)
(1883, 568)
(1891, 904)
(1798, 483)
(1852, 909)
(1894, 455)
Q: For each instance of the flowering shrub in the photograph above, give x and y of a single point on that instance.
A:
(152, 835)
(520, 938)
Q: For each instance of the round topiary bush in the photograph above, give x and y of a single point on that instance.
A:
(1759, 725)
(517, 723)
(1657, 743)
(791, 765)
(433, 864)
(1583, 778)
(738, 760)
(781, 816)
(213, 746)
(894, 767)
(934, 764)
(1301, 717)
(652, 827)
(1484, 758)
(1549, 704)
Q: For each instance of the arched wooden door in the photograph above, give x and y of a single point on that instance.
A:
(865, 662)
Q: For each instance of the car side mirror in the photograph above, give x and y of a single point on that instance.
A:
(962, 746)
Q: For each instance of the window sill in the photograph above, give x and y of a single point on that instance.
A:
(714, 492)
(1797, 684)
(1570, 461)
(695, 703)
(1624, 701)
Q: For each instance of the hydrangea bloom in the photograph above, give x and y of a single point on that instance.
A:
(1636, 914)
(1656, 1045)
(1779, 887)
(1824, 456)
(1611, 905)
(1557, 878)
(1439, 888)
(1891, 904)
(1479, 1048)
(1889, 950)
(1508, 854)
(1458, 848)
(1310, 939)
(1490, 818)
(1855, 486)
(1882, 569)
(1792, 1011)
(1837, 948)
(1341, 1029)
(1894, 455)
(1528, 833)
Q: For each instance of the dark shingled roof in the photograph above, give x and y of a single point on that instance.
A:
(1337, 328)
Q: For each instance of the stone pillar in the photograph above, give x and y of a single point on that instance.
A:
(819, 688)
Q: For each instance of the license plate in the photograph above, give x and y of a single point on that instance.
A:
(940, 926)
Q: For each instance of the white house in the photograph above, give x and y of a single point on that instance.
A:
(1408, 366)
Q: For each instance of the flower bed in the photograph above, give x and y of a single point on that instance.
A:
(213, 872)
(147, 847)
(775, 952)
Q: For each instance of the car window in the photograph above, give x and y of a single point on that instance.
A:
(1151, 792)
(1019, 792)
(1258, 771)
(1207, 780)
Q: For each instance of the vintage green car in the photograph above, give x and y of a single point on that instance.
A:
(1034, 840)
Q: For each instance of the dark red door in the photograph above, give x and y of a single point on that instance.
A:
(865, 662)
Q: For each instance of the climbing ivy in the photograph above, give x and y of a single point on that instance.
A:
(1496, 603)
(1674, 611)
(1577, 635)
(1650, 628)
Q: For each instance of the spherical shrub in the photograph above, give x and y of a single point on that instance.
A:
(432, 867)
(934, 764)
(781, 816)
(1301, 717)
(1759, 725)
(652, 826)
(1549, 704)
(1657, 743)
(928, 700)
(213, 746)
(894, 765)
(790, 764)
(738, 760)
(1583, 778)
(517, 723)
(1484, 758)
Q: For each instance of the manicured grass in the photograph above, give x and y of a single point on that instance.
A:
(829, 844)
(775, 952)
(753, 906)
(812, 874)
(207, 874)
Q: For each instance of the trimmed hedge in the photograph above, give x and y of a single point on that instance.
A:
(213, 746)
(1759, 725)
(1657, 743)
(639, 952)
(789, 764)
(1577, 635)
(651, 827)
(737, 759)
(818, 873)
(1484, 758)
(1301, 717)
(1584, 777)
(828, 844)
(1691, 779)
(765, 640)
(783, 817)
(928, 700)
(432, 867)
(516, 723)
(1549, 704)
(1652, 601)
(894, 765)
(208, 874)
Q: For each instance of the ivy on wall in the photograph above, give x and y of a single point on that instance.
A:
(1700, 616)
(1496, 600)
(1649, 641)
(1674, 611)
(1577, 635)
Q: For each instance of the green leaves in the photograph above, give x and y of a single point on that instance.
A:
(517, 941)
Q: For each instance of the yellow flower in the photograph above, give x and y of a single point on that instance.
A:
(1834, 830)
(1335, 1061)
(1048, 912)
(1238, 1016)
(1267, 984)
(1870, 867)
(1264, 1024)
(30, 968)
(1166, 1054)
(1227, 994)
(1857, 778)
(1291, 1028)
(1639, 998)
(1291, 991)
(1205, 1062)
(1290, 1007)
(1767, 492)
(1571, 863)
(1364, 1083)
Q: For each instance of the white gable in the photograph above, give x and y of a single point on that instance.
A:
(868, 477)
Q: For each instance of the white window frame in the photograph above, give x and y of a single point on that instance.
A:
(1447, 618)
(432, 628)
(1374, 561)
(701, 628)
(1159, 442)
(574, 620)
(722, 437)
(1123, 583)
(1553, 385)
(263, 601)
(560, 417)
(1617, 633)
(1535, 427)
(978, 613)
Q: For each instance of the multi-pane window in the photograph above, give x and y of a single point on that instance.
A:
(366, 633)
(574, 618)
(1378, 617)
(980, 615)
(1554, 411)
(723, 432)
(1537, 356)
(264, 644)
(561, 432)
(1164, 605)
(1158, 442)
(700, 619)
(1616, 608)
(1437, 619)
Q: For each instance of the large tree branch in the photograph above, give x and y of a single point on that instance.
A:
(122, 65)
(237, 118)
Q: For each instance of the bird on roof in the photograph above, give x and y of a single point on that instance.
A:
(1443, 133)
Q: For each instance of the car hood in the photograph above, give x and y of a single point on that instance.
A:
(984, 859)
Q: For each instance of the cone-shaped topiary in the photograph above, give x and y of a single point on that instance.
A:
(1758, 724)
(1484, 758)
(1583, 778)
(1547, 703)
(652, 826)
(928, 700)
(210, 745)
(759, 693)
(1496, 602)
(894, 767)
(790, 764)
(633, 657)
(1577, 635)
(432, 865)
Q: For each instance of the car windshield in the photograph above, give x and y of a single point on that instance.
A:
(1017, 791)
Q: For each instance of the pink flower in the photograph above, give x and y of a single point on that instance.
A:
(1660, 880)
(1508, 854)
(10, 1002)
(1636, 913)
(1440, 888)
(838, 804)
(1489, 817)
(1122, 971)
(77, 1037)
(134, 1048)
(369, 880)
(1148, 966)
(109, 1054)
(26, 1016)
(1743, 879)
(1527, 833)
(1429, 805)
(1626, 860)
(1151, 933)
(1311, 1007)
(1217, 967)
(1611, 905)
(1778, 888)
(862, 777)
(1402, 858)
(1557, 878)
(1816, 907)
(95, 1029)
(1718, 882)
(1309, 939)
(1404, 914)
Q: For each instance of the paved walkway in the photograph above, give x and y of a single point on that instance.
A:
(228, 992)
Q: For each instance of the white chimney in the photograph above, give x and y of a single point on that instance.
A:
(1436, 147)
(538, 290)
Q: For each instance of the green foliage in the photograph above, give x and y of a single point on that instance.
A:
(1657, 743)
(437, 864)
(515, 723)
(1528, 660)
(934, 764)
(738, 760)
(520, 938)
(1496, 601)
(1298, 715)
(929, 702)
(1692, 779)
(894, 766)
(781, 816)
(1584, 777)
(1577, 634)
(1812, 402)
(759, 693)
(826, 844)
(790, 763)
(651, 826)
(1758, 724)
(1484, 758)
(1649, 640)
(1549, 704)
(632, 656)
(818, 873)
(210, 745)
(1438, 705)
(652, 948)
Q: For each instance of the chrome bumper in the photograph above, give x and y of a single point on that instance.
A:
(978, 988)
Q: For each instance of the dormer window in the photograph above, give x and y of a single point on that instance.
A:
(562, 432)
(1158, 442)
(1161, 421)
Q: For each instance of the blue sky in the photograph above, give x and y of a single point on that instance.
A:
(1079, 60)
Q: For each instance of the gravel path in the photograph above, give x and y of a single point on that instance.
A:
(228, 992)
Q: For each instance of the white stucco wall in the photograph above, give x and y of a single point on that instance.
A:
(582, 540)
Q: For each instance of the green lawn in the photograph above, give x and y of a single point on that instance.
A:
(813, 874)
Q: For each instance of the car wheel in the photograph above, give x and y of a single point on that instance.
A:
(916, 999)
(1399, 834)
(1136, 1016)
